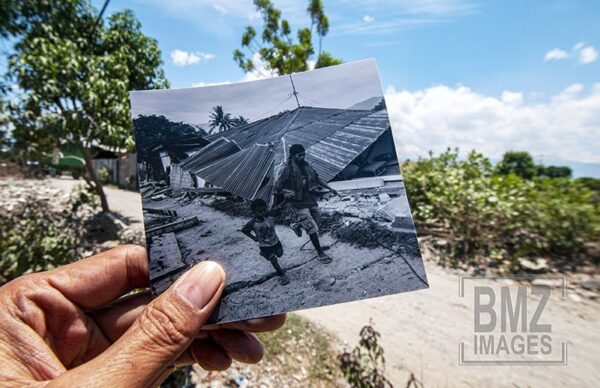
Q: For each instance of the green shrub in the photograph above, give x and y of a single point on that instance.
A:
(563, 216)
(364, 366)
(482, 213)
(40, 229)
(104, 174)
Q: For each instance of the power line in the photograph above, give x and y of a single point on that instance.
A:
(273, 108)
(312, 101)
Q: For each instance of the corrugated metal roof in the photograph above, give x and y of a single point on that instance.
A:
(332, 154)
(241, 173)
(218, 149)
(242, 160)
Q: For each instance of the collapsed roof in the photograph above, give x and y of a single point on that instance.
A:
(247, 160)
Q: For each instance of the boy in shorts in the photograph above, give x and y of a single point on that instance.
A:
(261, 229)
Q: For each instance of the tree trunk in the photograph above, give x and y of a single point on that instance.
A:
(97, 184)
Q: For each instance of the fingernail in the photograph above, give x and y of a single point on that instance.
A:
(200, 284)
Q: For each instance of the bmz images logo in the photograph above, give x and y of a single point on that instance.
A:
(510, 323)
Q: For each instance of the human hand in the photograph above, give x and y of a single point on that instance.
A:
(70, 327)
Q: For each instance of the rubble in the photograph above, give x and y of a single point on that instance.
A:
(591, 285)
(397, 207)
(173, 226)
(537, 266)
(163, 212)
(547, 282)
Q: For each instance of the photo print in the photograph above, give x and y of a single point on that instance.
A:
(291, 183)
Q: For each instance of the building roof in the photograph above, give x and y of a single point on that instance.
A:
(246, 160)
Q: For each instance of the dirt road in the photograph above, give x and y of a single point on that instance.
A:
(126, 203)
(421, 330)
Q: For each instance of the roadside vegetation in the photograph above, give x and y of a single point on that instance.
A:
(500, 215)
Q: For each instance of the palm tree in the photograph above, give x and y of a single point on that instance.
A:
(219, 119)
(317, 18)
(239, 120)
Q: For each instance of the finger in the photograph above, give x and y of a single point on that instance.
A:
(115, 318)
(206, 353)
(99, 279)
(236, 344)
(163, 331)
(239, 345)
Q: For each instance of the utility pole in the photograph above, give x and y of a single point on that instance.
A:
(295, 93)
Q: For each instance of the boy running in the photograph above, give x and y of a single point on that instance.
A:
(263, 226)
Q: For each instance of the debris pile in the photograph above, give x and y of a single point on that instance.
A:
(162, 226)
(154, 191)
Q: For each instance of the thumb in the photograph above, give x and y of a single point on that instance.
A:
(164, 330)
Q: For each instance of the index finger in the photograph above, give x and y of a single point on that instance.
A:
(100, 279)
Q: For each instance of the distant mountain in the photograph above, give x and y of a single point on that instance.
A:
(367, 104)
(580, 170)
(591, 170)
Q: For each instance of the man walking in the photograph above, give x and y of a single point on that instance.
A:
(298, 183)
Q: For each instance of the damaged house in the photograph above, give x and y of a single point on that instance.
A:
(341, 144)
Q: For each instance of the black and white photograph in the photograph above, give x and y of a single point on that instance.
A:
(292, 184)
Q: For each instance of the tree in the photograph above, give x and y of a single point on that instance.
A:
(519, 163)
(239, 120)
(75, 72)
(281, 53)
(219, 119)
(3, 126)
(554, 171)
(318, 18)
(152, 131)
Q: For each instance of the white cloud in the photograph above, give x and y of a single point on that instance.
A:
(219, 8)
(566, 127)
(184, 58)
(511, 98)
(395, 16)
(260, 72)
(588, 55)
(555, 54)
(584, 54)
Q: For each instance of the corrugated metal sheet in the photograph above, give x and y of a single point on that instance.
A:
(218, 149)
(242, 173)
(242, 159)
(332, 154)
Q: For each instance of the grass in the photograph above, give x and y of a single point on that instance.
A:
(304, 350)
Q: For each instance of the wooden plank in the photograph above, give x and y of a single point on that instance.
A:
(173, 226)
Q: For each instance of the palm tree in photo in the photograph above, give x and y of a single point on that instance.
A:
(239, 120)
(219, 120)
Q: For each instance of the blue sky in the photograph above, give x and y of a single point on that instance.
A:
(491, 75)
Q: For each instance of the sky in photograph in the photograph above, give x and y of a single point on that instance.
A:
(334, 87)
(485, 75)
